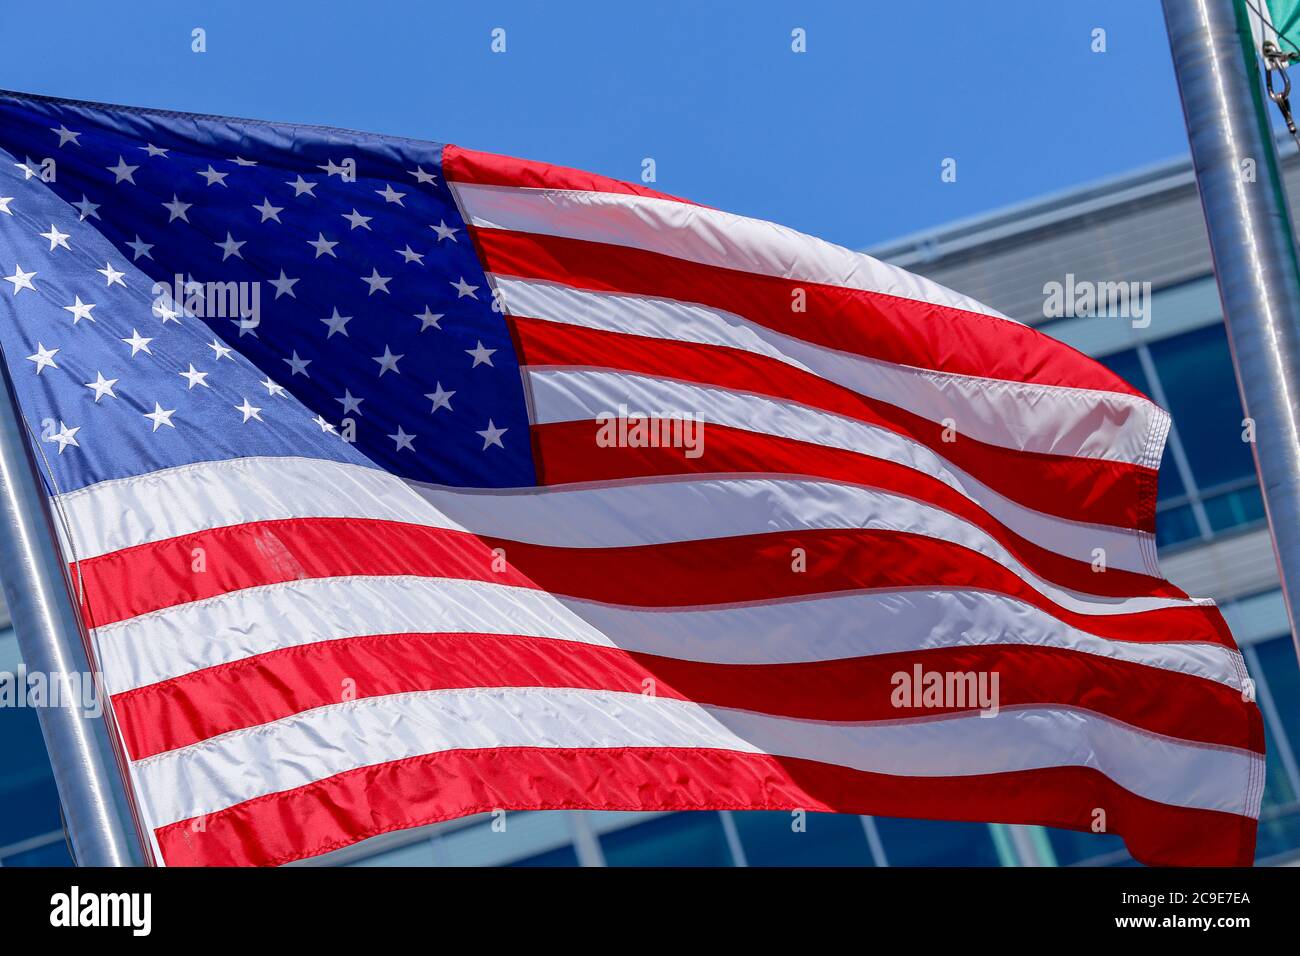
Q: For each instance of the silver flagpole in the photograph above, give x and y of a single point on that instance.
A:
(96, 809)
(1251, 239)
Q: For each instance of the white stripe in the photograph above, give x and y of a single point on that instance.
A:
(838, 626)
(189, 637)
(563, 396)
(707, 236)
(313, 745)
(661, 510)
(123, 513)
(126, 512)
(1020, 416)
(719, 508)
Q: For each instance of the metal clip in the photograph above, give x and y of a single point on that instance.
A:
(1275, 63)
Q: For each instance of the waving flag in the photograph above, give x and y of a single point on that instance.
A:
(402, 481)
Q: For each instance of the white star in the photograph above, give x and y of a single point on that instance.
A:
(177, 209)
(4, 205)
(80, 310)
(350, 403)
(222, 351)
(160, 416)
(357, 219)
(481, 355)
(330, 169)
(141, 248)
(377, 282)
(440, 398)
(44, 358)
(123, 172)
(240, 161)
(445, 231)
(388, 362)
(302, 186)
(153, 150)
(230, 247)
(323, 246)
(403, 440)
(246, 326)
(164, 311)
(410, 255)
(298, 365)
(112, 275)
(268, 211)
(56, 238)
(195, 377)
(248, 411)
(212, 176)
(21, 280)
(283, 285)
(87, 208)
(102, 386)
(421, 176)
(65, 135)
(463, 289)
(271, 388)
(27, 168)
(324, 425)
(138, 343)
(430, 319)
(391, 195)
(337, 323)
(492, 436)
(65, 436)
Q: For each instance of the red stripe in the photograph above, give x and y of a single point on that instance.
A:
(267, 687)
(149, 577)
(1090, 490)
(351, 806)
(880, 326)
(460, 165)
(569, 447)
(570, 455)
(744, 568)
(760, 568)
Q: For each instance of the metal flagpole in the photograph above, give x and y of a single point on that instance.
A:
(96, 808)
(1245, 206)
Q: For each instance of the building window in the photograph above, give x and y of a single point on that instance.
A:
(690, 838)
(1272, 664)
(27, 791)
(560, 856)
(1073, 848)
(770, 838)
(936, 843)
(1207, 476)
(49, 849)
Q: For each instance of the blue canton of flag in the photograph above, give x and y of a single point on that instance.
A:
(203, 289)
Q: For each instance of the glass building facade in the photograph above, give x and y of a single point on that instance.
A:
(1210, 527)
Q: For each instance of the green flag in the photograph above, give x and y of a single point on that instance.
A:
(1284, 31)
(1285, 15)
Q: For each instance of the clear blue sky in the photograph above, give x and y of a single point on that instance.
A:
(844, 141)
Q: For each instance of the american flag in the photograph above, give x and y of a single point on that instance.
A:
(402, 481)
